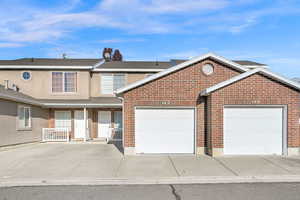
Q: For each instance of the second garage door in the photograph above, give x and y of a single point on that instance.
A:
(257, 130)
(164, 130)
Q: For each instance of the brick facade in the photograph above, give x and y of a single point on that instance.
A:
(182, 88)
(254, 90)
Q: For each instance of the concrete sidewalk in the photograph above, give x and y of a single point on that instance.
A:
(99, 163)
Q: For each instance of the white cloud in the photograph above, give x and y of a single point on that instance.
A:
(239, 28)
(25, 23)
(162, 6)
(182, 55)
(120, 40)
(10, 45)
(57, 52)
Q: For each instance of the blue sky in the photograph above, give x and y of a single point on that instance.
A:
(266, 31)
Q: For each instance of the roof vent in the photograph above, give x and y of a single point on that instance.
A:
(6, 84)
(15, 88)
(106, 54)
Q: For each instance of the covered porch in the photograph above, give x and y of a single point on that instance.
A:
(85, 121)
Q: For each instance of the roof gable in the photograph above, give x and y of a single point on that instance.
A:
(244, 75)
(182, 66)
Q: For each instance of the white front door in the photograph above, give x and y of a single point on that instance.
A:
(164, 130)
(253, 130)
(104, 124)
(79, 124)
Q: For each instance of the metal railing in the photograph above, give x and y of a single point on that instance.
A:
(55, 135)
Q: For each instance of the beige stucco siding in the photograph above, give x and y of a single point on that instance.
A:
(40, 84)
(9, 133)
(96, 82)
(133, 77)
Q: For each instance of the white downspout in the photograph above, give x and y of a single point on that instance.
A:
(123, 127)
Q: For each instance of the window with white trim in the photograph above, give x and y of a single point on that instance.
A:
(63, 119)
(111, 82)
(64, 82)
(24, 117)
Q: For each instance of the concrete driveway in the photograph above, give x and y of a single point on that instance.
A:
(98, 161)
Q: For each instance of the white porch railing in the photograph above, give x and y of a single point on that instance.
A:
(55, 135)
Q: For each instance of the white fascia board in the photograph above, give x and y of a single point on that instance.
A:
(20, 99)
(256, 66)
(181, 66)
(207, 91)
(126, 70)
(281, 79)
(267, 73)
(70, 105)
(43, 67)
(98, 64)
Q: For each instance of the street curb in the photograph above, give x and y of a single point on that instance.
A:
(151, 181)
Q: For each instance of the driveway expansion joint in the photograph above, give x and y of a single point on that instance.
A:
(275, 164)
(172, 163)
(225, 166)
(118, 168)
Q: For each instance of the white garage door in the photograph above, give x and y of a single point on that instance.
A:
(164, 130)
(253, 131)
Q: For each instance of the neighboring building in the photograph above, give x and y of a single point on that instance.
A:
(21, 118)
(78, 93)
(296, 79)
(207, 104)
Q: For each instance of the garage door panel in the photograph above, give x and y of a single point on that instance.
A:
(253, 130)
(164, 130)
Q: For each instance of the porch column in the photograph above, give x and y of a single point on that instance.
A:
(85, 123)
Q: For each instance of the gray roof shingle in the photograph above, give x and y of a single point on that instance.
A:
(92, 100)
(12, 95)
(107, 65)
(136, 65)
(248, 63)
(51, 62)
(17, 96)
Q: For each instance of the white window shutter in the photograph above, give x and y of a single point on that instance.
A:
(107, 84)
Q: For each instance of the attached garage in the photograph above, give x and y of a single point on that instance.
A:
(254, 130)
(164, 130)
(239, 111)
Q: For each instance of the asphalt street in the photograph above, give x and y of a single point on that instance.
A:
(245, 191)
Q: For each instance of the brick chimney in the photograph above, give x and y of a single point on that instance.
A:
(117, 56)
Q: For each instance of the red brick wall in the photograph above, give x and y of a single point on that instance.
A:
(254, 90)
(180, 88)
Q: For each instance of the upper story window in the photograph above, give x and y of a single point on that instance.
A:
(111, 82)
(24, 117)
(64, 81)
